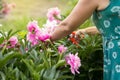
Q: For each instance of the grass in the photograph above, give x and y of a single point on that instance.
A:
(19, 24)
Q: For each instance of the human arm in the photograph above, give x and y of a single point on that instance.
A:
(89, 30)
(82, 11)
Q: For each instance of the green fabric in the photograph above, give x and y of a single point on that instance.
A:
(108, 23)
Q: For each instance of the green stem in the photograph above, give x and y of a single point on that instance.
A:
(4, 49)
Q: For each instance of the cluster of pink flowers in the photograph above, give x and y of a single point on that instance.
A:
(11, 43)
(37, 34)
(6, 8)
(74, 62)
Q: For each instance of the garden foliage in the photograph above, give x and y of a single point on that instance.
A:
(41, 62)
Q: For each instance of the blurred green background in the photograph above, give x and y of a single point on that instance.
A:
(27, 10)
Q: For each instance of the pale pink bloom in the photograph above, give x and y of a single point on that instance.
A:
(13, 41)
(33, 27)
(62, 49)
(74, 62)
(52, 13)
(50, 26)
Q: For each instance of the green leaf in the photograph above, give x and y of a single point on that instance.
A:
(65, 77)
(15, 32)
(3, 34)
(8, 34)
(60, 63)
(3, 77)
(30, 68)
(95, 69)
(8, 57)
(40, 67)
(51, 74)
(33, 73)
(1, 40)
(23, 76)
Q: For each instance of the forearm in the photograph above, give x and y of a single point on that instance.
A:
(61, 31)
(75, 18)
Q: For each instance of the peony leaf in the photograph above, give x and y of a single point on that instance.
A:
(8, 57)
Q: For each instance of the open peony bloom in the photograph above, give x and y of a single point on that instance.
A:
(52, 13)
(13, 41)
(33, 27)
(37, 34)
(62, 49)
(74, 62)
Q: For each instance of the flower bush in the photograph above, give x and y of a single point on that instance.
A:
(28, 57)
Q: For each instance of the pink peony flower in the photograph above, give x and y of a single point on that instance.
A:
(37, 34)
(13, 41)
(43, 37)
(52, 13)
(74, 62)
(32, 38)
(62, 49)
(33, 27)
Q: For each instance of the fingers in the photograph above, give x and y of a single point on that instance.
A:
(81, 33)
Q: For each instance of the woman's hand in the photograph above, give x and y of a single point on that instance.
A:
(79, 34)
(76, 36)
